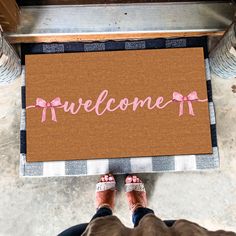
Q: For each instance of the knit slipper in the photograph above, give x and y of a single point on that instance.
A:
(105, 192)
(135, 193)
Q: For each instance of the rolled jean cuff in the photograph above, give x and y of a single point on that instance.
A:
(139, 213)
(103, 211)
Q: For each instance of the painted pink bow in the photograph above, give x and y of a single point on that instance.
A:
(190, 98)
(45, 105)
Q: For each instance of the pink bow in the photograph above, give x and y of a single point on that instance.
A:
(177, 97)
(43, 104)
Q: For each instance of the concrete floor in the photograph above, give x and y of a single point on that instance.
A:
(46, 206)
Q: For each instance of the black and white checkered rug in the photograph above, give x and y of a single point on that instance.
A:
(122, 165)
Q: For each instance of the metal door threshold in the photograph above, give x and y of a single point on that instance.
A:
(121, 21)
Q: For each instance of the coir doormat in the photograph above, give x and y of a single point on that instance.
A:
(118, 104)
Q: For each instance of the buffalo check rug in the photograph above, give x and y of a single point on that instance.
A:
(118, 165)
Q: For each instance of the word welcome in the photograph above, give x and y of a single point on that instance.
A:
(103, 104)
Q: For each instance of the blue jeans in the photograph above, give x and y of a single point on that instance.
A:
(138, 214)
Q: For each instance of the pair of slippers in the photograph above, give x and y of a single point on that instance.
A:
(134, 189)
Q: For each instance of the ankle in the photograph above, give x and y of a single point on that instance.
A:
(104, 205)
(136, 207)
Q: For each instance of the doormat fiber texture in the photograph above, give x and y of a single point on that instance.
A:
(120, 165)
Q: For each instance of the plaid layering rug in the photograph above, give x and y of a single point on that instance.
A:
(119, 165)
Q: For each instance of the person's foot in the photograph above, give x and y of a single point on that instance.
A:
(105, 191)
(135, 192)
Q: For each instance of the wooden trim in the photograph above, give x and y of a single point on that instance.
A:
(75, 2)
(9, 15)
(103, 37)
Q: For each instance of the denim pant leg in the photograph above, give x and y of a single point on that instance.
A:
(139, 213)
(103, 211)
(79, 229)
(74, 230)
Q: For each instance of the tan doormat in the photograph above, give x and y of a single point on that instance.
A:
(116, 104)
